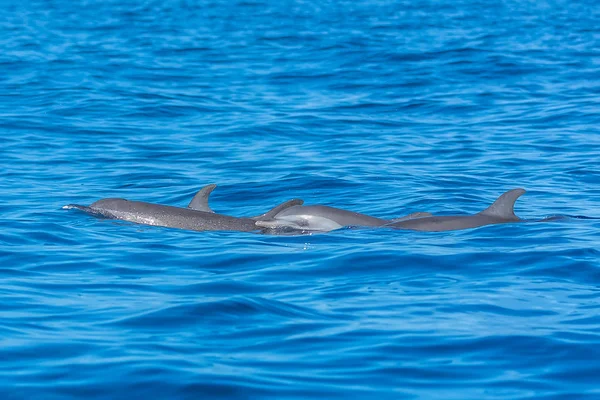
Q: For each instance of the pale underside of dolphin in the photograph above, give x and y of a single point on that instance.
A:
(305, 218)
(500, 212)
(176, 217)
(323, 218)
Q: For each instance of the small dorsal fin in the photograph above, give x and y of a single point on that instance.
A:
(504, 206)
(200, 200)
(276, 210)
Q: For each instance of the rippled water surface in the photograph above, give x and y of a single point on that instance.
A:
(381, 107)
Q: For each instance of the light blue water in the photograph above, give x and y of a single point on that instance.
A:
(380, 107)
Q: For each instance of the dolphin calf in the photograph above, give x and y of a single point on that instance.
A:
(191, 218)
(304, 218)
(325, 218)
(500, 212)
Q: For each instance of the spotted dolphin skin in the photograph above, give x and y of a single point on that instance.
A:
(500, 212)
(176, 217)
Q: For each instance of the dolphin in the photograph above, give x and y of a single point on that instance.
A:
(304, 218)
(500, 212)
(324, 218)
(176, 217)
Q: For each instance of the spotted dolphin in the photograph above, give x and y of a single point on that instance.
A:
(500, 212)
(176, 217)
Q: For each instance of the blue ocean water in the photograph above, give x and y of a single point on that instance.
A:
(382, 107)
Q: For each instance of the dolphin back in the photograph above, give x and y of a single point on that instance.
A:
(276, 210)
(414, 215)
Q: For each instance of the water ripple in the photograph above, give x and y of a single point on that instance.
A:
(374, 106)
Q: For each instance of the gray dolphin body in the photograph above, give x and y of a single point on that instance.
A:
(325, 218)
(304, 218)
(176, 217)
(291, 215)
(500, 212)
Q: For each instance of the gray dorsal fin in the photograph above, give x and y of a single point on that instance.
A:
(504, 206)
(276, 210)
(200, 200)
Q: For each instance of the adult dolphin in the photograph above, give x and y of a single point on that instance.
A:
(176, 217)
(305, 218)
(500, 212)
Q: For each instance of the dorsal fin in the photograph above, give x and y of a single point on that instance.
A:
(276, 210)
(200, 200)
(504, 206)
